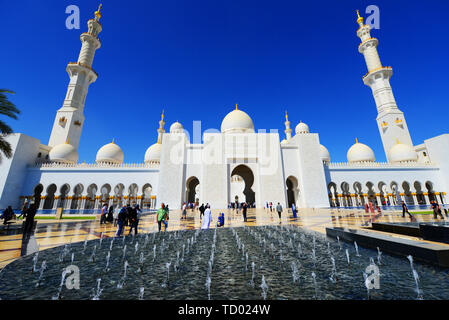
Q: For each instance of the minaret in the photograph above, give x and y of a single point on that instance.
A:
(288, 130)
(390, 119)
(161, 129)
(70, 118)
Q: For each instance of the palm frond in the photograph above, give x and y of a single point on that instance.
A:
(4, 128)
(7, 108)
(5, 147)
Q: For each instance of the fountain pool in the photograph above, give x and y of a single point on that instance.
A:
(248, 263)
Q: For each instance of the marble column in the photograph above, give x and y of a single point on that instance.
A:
(415, 198)
(55, 201)
(41, 204)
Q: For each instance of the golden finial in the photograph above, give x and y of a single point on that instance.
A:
(359, 18)
(113, 140)
(236, 106)
(356, 140)
(162, 116)
(67, 141)
(397, 141)
(98, 13)
(286, 115)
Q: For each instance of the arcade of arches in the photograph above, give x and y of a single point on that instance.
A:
(345, 195)
(81, 197)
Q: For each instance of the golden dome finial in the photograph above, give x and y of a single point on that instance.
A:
(67, 141)
(236, 106)
(162, 116)
(356, 141)
(286, 115)
(359, 18)
(98, 12)
(397, 141)
(113, 140)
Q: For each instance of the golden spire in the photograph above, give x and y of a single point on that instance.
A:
(113, 140)
(67, 141)
(236, 106)
(98, 12)
(286, 115)
(359, 18)
(162, 116)
(356, 141)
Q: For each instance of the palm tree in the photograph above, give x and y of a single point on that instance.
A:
(7, 108)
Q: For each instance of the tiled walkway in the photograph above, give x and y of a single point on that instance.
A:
(50, 234)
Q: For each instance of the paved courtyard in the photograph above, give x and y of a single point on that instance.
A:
(49, 234)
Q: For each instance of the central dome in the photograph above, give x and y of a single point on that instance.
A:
(237, 121)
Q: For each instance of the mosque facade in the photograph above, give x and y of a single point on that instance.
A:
(236, 164)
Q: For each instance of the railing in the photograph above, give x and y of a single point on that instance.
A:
(96, 165)
(337, 165)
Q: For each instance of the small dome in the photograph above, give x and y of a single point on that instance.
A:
(324, 154)
(302, 128)
(176, 128)
(360, 152)
(63, 153)
(110, 153)
(284, 141)
(237, 121)
(153, 154)
(402, 153)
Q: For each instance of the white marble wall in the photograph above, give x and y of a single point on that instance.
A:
(13, 171)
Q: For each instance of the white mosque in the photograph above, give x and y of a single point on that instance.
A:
(237, 163)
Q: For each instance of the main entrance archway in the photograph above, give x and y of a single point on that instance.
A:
(191, 190)
(248, 177)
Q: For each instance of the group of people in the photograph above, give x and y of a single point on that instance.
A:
(27, 213)
(127, 216)
(8, 215)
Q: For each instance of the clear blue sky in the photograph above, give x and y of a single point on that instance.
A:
(197, 58)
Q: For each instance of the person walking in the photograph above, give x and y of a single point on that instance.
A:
(202, 209)
(121, 219)
(436, 210)
(133, 220)
(29, 218)
(184, 211)
(104, 211)
(207, 218)
(279, 211)
(244, 210)
(162, 217)
(110, 216)
(116, 212)
(271, 206)
(294, 210)
(404, 210)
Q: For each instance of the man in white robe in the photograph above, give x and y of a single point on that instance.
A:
(207, 218)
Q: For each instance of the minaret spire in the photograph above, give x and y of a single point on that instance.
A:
(161, 129)
(70, 118)
(288, 130)
(390, 119)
